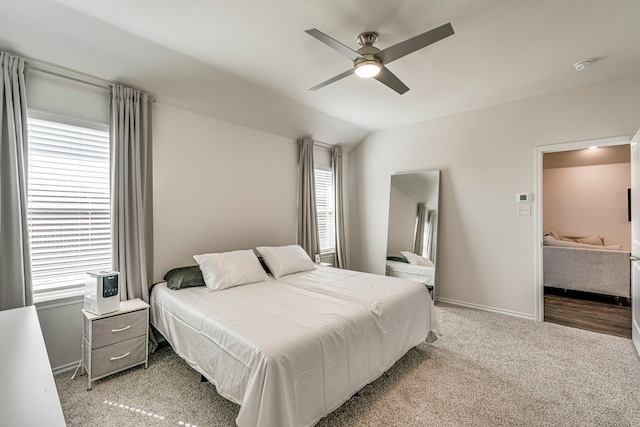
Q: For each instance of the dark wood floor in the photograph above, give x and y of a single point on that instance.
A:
(597, 313)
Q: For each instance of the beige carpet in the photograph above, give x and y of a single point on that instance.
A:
(487, 370)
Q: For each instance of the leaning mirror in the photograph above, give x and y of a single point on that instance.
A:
(412, 236)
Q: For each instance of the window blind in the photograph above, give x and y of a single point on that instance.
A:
(325, 209)
(69, 207)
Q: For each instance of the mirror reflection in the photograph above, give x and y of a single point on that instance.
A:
(413, 227)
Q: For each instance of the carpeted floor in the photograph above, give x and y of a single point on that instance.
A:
(487, 370)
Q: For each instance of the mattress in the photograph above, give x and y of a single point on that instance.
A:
(419, 273)
(289, 351)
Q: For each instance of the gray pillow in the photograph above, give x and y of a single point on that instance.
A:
(184, 277)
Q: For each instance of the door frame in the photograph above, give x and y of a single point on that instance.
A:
(539, 151)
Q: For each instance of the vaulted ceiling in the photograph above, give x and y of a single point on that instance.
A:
(252, 63)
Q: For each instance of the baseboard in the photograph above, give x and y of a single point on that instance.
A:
(486, 308)
(64, 368)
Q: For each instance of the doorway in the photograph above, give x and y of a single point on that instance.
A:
(566, 177)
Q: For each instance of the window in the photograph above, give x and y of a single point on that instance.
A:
(68, 198)
(325, 210)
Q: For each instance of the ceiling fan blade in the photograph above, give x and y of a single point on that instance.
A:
(333, 79)
(415, 43)
(336, 45)
(388, 78)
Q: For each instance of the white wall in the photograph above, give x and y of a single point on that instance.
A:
(588, 201)
(218, 187)
(486, 251)
(61, 324)
(71, 99)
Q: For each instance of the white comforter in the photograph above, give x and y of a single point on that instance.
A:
(290, 351)
(419, 273)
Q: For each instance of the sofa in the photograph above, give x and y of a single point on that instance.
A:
(586, 267)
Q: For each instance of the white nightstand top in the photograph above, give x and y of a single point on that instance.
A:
(125, 307)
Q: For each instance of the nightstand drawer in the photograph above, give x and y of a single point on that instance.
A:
(115, 341)
(118, 356)
(113, 329)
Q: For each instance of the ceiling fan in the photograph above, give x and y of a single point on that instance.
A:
(369, 61)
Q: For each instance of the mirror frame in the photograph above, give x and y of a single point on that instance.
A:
(413, 188)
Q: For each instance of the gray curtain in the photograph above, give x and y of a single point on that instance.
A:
(131, 190)
(418, 241)
(15, 260)
(341, 247)
(307, 217)
(430, 244)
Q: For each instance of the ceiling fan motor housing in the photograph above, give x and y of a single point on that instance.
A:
(368, 51)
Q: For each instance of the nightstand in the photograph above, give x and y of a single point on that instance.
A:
(115, 341)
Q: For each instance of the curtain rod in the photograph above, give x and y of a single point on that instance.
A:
(323, 144)
(77, 79)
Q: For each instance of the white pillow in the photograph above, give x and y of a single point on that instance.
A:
(229, 269)
(416, 259)
(283, 260)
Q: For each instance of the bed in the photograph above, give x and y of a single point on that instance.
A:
(420, 273)
(290, 351)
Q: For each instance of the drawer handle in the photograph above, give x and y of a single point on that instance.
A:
(121, 329)
(121, 357)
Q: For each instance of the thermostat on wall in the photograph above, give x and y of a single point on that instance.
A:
(523, 197)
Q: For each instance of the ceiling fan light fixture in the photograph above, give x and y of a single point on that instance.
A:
(368, 68)
(369, 61)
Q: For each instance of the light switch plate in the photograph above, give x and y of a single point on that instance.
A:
(524, 209)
